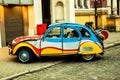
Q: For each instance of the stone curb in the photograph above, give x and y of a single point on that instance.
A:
(50, 65)
(112, 44)
(30, 71)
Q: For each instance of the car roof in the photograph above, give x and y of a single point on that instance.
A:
(68, 24)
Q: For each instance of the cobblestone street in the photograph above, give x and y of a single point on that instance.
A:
(102, 68)
(10, 67)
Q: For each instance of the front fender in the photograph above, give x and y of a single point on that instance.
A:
(24, 44)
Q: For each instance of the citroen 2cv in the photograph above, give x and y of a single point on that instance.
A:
(59, 39)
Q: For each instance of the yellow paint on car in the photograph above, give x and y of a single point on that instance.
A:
(90, 48)
(23, 44)
(50, 51)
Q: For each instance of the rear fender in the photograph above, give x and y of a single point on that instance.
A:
(90, 47)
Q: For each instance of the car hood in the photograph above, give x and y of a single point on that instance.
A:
(26, 38)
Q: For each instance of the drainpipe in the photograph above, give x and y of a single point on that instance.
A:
(96, 14)
(111, 7)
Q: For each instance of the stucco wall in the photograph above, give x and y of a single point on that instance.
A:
(68, 11)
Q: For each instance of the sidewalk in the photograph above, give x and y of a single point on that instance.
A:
(9, 67)
(113, 39)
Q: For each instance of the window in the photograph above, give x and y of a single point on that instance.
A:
(118, 7)
(100, 3)
(59, 13)
(82, 4)
(54, 33)
(70, 33)
(84, 33)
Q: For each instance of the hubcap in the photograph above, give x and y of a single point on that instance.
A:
(24, 56)
(88, 57)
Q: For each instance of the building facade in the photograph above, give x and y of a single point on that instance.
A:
(108, 12)
(21, 17)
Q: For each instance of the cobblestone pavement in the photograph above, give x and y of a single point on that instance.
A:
(9, 66)
(102, 68)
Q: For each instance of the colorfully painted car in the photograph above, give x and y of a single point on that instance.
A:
(59, 39)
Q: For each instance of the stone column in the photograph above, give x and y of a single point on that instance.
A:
(35, 16)
(72, 11)
(31, 19)
(76, 3)
(38, 11)
(109, 6)
(81, 4)
(88, 3)
(115, 7)
(2, 27)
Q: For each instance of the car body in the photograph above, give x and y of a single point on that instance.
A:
(59, 39)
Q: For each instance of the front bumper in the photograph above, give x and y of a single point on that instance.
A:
(9, 45)
(10, 48)
(10, 51)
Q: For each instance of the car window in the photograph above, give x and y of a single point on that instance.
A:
(70, 33)
(54, 33)
(84, 33)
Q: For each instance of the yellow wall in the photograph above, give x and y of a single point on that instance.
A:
(102, 21)
(25, 19)
(84, 19)
(90, 18)
(31, 19)
(2, 26)
(117, 23)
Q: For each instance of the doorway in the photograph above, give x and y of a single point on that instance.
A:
(118, 7)
(13, 22)
(46, 12)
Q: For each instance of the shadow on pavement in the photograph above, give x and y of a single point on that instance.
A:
(72, 58)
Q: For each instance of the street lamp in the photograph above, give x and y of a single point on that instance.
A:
(96, 14)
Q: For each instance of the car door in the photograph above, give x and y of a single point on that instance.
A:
(51, 44)
(71, 40)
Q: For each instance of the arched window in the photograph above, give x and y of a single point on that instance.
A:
(59, 11)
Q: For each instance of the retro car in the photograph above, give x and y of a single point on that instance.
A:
(59, 39)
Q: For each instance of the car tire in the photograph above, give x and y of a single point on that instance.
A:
(24, 56)
(88, 57)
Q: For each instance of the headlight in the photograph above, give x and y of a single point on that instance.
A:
(13, 42)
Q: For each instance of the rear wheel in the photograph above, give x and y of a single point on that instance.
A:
(24, 55)
(88, 57)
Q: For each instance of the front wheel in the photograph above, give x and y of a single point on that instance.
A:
(24, 56)
(88, 57)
